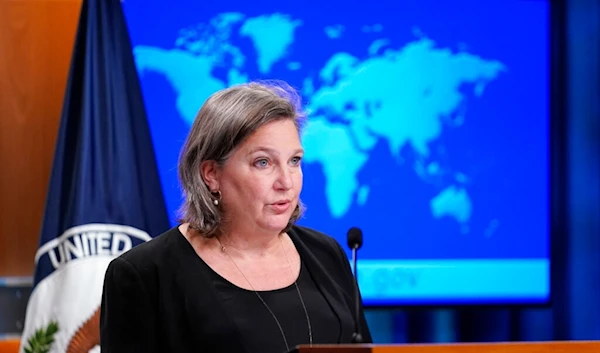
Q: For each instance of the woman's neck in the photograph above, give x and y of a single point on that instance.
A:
(241, 244)
(247, 244)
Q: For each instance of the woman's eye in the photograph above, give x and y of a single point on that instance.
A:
(296, 160)
(261, 163)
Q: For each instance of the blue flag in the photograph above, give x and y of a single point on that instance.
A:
(104, 195)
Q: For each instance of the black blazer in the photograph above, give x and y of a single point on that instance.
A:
(158, 296)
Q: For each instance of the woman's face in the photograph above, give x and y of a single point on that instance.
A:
(262, 180)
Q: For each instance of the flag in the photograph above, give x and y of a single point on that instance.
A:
(104, 195)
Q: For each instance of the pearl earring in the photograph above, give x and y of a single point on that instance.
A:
(217, 197)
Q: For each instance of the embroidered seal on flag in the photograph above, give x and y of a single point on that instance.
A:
(69, 296)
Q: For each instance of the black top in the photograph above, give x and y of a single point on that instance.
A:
(259, 329)
(160, 297)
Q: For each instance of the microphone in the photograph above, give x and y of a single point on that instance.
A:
(355, 240)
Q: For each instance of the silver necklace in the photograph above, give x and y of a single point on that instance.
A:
(310, 338)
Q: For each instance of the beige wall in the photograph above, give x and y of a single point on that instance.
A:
(36, 40)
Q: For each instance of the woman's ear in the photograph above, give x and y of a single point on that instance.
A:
(209, 170)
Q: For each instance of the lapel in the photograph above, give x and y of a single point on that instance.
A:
(327, 286)
(210, 324)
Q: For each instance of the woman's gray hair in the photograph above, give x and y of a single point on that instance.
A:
(226, 119)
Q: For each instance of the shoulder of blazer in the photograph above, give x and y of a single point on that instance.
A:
(318, 242)
(146, 257)
(325, 248)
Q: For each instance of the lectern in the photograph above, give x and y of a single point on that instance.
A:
(503, 347)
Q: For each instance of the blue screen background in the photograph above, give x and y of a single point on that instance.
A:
(465, 83)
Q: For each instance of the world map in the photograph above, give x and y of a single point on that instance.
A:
(353, 102)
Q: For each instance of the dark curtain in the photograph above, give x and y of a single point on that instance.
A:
(575, 113)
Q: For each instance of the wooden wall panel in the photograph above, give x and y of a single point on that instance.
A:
(36, 41)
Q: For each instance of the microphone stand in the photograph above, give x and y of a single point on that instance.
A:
(356, 336)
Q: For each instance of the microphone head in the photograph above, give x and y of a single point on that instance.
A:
(355, 238)
(357, 338)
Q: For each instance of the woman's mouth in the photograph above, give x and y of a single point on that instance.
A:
(281, 206)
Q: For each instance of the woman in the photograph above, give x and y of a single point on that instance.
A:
(237, 275)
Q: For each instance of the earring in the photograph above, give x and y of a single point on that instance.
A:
(217, 197)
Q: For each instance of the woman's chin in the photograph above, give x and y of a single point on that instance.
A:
(275, 224)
